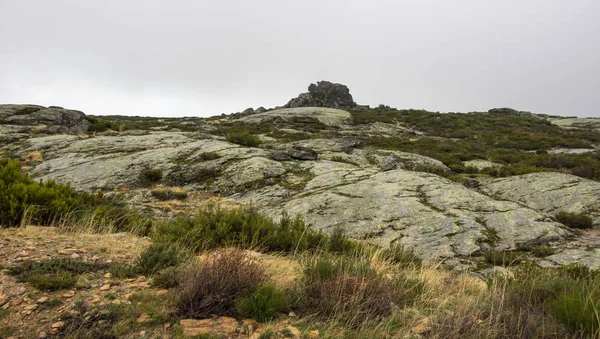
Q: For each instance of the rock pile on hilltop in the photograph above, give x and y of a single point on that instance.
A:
(324, 94)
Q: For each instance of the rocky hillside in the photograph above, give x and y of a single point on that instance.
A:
(448, 186)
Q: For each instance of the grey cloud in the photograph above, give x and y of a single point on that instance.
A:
(185, 57)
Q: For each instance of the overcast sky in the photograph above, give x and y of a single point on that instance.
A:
(201, 58)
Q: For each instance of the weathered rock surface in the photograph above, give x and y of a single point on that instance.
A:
(434, 216)
(326, 116)
(324, 94)
(481, 164)
(593, 123)
(46, 120)
(549, 192)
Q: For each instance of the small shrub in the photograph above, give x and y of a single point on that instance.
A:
(206, 156)
(349, 290)
(51, 275)
(213, 285)
(244, 139)
(539, 251)
(263, 304)
(27, 268)
(398, 255)
(53, 281)
(151, 175)
(166, 278)
(159, 256)
(167, 194)
(124, 271)
(574, 220)
(339, 242)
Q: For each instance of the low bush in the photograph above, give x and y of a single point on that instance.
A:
(168, 194)
(151, 176)
(348, 290)
(43, 203)
(47, 203)
(244, 139)
(574, 220)
(212, 285)
(158, 257)
(398, 255)
(51, 275)
(214, 227)
(263, 304)
(167, 278)
(52, 281)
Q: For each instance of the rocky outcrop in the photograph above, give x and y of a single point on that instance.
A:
(301, 115)
(324, 94)
(549, 193)
(432, 215)
(44, 120)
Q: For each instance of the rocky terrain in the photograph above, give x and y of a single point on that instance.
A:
(312, 158)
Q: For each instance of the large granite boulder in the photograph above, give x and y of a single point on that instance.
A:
(46, 120)
(324, 94)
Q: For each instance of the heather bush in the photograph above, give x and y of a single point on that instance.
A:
(212, 285)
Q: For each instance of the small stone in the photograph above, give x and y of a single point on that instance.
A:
(105, 287)
(293, 332)
(108, 275)
(43, 335)
(292, 315)
(96, 299)
(69, 294)
(313, 334)
(167, 325)
(143, 318)
(74, 313)
(422, 326)
(161, 292)
(75, 256)
(116, 302)
(42, 300)
(58, 324)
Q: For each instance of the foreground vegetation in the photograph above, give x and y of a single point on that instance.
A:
(342, 287)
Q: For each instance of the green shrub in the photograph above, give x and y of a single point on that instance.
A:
(168, 194)
(53, 281)
(243, 138)
(43, 203)
(151, 175)
(124, 271)
(24, 200)
(51, 275)
(579, 309)
(539, 251)
(574, 220)
(397, 254)
(338, 242)
(158, 257)
(213, 285)
(263, 304)
(166, 278)
(214, 227)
